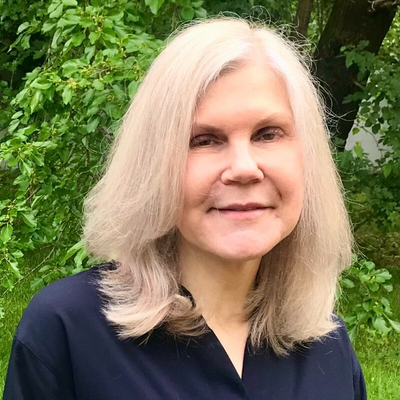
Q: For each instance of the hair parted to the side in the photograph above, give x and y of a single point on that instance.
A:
(131, 214)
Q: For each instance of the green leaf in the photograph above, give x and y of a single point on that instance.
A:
(369, 265)
(154, 5)
(80, 256)
(347, 283)
(78, 38)
(13, 125)
(67, 94)
(72, 250)
(200, 12)
(93, 124)
(89, 52)
(94, 37)
(355, 131)
(38, 159)
(120, 31)
(48, 26)
(37, 283)
(374, 287)
(70, 3)
(22, 27)
(53, 6)
(387, 169)
(358, 150)
(14, 268)
(385, 302)
(395, 325)
(380, 325)
(17, 115)
(17, 254)
(71, 66)
(68, 20)
(57, 12)
(25, 42)
(132, 88)
(117, 16)
(384, 274)
(45, 268)
(376, 128)
(29, 219)
(54, 41)
(41, 85)
(187, 13)
(353, 333)
(12, 161)
(25, 168)
(6, 233)
(388, 288)
(98, 85)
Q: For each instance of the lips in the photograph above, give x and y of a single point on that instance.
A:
(242, 207)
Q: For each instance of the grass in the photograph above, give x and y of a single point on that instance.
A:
(14, 304)
(379, 358)
(380, 363)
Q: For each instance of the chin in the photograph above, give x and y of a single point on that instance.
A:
(240, 253)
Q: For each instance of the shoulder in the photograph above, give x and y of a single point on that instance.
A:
(63, 303)
(335, 351)
(337, 342)
(60, 319)
(332, 353)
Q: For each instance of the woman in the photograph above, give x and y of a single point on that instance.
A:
(222, 207)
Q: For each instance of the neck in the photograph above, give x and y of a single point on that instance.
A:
(220, 287)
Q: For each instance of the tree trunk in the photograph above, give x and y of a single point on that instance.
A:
(348, 24)
(302, 19)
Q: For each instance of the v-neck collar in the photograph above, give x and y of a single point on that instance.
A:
(217, 345)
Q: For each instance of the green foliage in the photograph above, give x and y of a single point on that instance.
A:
(372, 187)
(372, 190)
(366, 287)
(265, 10)
(63, 117)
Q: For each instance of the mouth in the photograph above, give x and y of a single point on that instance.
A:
(242, 207)
(242, 212)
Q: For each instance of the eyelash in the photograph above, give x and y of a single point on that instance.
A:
(277, 132)
(205, 140)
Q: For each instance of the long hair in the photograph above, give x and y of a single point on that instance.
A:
(132, 212)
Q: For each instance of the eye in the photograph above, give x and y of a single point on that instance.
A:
(268, 134)
(203, 141)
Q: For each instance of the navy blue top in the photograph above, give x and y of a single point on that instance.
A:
(64, 349)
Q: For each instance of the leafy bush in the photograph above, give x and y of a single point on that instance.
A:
(65, 115)
(373, 186)
(364, 287)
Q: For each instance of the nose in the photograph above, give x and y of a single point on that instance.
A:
(241, 167)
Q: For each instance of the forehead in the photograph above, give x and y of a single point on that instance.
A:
(252, 90)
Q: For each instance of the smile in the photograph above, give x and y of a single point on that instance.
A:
(242, 207)
(242, 211)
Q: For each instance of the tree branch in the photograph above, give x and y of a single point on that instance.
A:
(302, 19)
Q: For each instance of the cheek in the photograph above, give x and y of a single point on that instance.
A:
(291, 180)
(199, 181)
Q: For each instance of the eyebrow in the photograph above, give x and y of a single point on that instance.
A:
(270, 120)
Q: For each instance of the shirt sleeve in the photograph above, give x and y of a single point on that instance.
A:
(29, 378)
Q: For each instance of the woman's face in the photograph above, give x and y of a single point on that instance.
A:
(244, 182)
